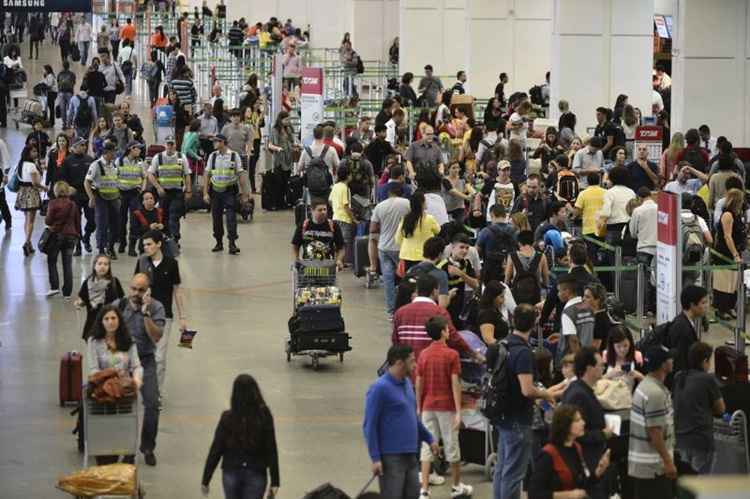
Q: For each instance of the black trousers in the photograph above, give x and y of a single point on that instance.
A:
(89, 213)
(5, 210)
(129, 202)
(51, 98)
(253, 163)
(224, 203)
(659, 487)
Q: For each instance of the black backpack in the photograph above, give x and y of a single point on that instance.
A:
(84, 117)
(619, 135)
(657, 336)
(317, 173)
(360, 65)
(693, 156)
(495, 388)
(535, 94)
(502, 245)
(525, 285)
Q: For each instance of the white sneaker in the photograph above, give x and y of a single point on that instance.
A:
(53, 292)
(424, 494)
(461, 490)
(434, 479)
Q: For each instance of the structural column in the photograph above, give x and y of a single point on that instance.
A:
(600, 49)
(710, 64)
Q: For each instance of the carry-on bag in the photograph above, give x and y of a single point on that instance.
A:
(316, 319)
(361, 256)
(71, 378)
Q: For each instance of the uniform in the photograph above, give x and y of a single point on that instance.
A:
(130, 176)
(104, 181)
(171, 170)
(224, 171)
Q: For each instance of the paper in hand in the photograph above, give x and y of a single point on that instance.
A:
(613, 422)
(186, 338)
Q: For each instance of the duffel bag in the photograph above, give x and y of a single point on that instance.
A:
(316, 319)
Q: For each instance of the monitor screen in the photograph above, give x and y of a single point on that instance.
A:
(661, 26)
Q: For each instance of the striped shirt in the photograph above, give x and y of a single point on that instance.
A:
(185, 90)
(652, 407)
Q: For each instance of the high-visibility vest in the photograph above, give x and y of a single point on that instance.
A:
(225, 175)
(108, 186)
(170, 170)
(129, 174)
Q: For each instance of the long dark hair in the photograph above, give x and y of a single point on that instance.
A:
(279, 123)
(617, 334)
(477, 134)
(123, 340)
(93, 268)
(247, 413)
(414, 217)
(492, 290)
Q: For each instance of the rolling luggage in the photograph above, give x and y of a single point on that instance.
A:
(730, 365)
(71, 377)
(628, 289)
(33, 109)
(294, 190)
(361, 257)
(271, 194)
(337, 341)
(316, 319)
(300, 213)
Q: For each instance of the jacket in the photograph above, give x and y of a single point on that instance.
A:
(75, 102)
(95, 83)
(74, 171)
(593, 441)
(64, 217)
(114, 292)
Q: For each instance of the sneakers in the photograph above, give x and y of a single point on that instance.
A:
(233, 249)
(219, 247)
(434, 479)
(52, 292)
(424, 494)
(149, 458)
(461, 490)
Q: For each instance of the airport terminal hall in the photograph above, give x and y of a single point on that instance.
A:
(374, 249)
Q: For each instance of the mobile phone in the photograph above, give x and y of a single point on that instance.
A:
(627, 367)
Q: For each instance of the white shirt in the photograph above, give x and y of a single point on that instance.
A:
(12, 63)
(390, 132)
(83, 33)
(435, 206)
(657, 101)
(584, 159)
(568, 326)
(643, 226)
(27, 170)
(615, 201)
(691, 186)
(519, 133)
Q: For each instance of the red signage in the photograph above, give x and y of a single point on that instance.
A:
(666, 223)
(312, 81)
(648, 133)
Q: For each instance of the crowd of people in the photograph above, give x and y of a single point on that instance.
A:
(472, 227)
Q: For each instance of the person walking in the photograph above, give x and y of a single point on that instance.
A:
(170, 175)
(83, 39)
(102, 188)
(50, 81)
(4, 168)
(66, 82)
(245, 442)
(392, 430)
(74, 169)
(100, 288)
(131, 178)
(28, 199)
(81, 113)
(64, 222)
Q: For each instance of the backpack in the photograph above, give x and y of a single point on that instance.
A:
(326, 491)
(495, 387)
(65, 81)
(503, 244)
(359, 182)
(525, 285)
(619, 139)
(488, 154)
(693, 243)
(84, 116)
(693, 156)
(535, 94)
(127, 66)
(14, 180)
(317, 172)
(567, 185)
(360, 65)
(655, 337)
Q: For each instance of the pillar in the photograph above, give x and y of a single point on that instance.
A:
(600, 49)
(710, 64)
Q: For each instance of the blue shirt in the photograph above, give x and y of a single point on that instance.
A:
(391, 425)
(520, 361)
(382, 194)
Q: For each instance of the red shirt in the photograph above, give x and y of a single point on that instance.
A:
(437, 364)
(339, 149)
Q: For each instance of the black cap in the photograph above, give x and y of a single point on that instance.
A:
(655, 357)
(220, 137)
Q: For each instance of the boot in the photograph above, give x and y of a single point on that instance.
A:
(219, 247)
(131, 249)
(233, 249)
(77, 251)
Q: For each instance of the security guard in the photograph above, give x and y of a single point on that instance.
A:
(132, 179)
(103, 189)
(224, 172)
(170, 174)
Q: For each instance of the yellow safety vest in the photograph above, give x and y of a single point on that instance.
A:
(170, 171)
(226, 175)
(129, 174)
(108, 186)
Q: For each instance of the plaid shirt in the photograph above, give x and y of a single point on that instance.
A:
(437, 364)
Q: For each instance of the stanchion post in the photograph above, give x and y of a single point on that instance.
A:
(739, 330)
(618, 272)
(640, 293)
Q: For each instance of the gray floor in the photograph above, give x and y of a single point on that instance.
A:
(240, 306)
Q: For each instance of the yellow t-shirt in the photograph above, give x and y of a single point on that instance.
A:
(704, 193)
(590, 201)
(339, 199)
(411, 247)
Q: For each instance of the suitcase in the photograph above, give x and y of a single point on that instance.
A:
(294, 190)
(730, 365)
(33, 109)
(361, 256)
(331, 342)
(195, 202)
(246, 210)
(300, 213)
(71, 378)
(628, 289)
(271, 195)
(316, 319)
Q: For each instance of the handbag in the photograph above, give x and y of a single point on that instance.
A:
(613, 394)
(47, 241)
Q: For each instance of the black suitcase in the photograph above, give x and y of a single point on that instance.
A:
(316, 319)
(300, 213)
(730, 365)
(271, 195)
(294, 190)
(628, 288)
(331, 342)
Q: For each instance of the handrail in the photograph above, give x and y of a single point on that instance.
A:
(599, 243)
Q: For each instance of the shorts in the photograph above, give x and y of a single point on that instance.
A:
(440, 425)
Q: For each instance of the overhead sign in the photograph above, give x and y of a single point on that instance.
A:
(35, 6)
(651, 136)
(668, 256)
(311, 102)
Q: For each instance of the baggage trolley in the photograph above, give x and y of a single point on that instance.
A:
(110, 429)
(309, 274)
(731, 456)
(476, 440)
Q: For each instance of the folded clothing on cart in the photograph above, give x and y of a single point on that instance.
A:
(109, 385)
(112, 479)
(321, 295)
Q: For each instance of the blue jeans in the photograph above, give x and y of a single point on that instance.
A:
(388, 266)
(150, 395)
(701, 461)
(244, 483)
(83, 47)
(400, 478)
(514, 455)
(107, 222)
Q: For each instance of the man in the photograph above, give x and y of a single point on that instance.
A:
(461, 273)
(82, 112)
(395, 176)
(75, 167)
(164, 275)
(224, 173)
(494, 244)
(589, 368)
(605, 129)
(318, 149)
(665, 81)
(318, 238)
(439, 404)
(66, 82)
(643, 173)
(127, 32)
(385, 112)
(588, 204)
(112, 73)
(500, 88)
(392, 126)
(681, 332)
(588, 160)
(424, 154)
(392, 430)
(652, 439)
(360, 171)
(169, 173)
(120, 133)
(430, 87)
(688, 181)
(239, 136)
(643, 227)
(577, 321)
(556, 218)
(484, 151)
(340, 199)
(144, 318)
(707, 141)
(363, 134)
(382, 245)
(433, 254)
(726, 150)
(693, 153)
(514, 430)
(83, 39)
(458, 87)
(532, 202)
(503, 192)
(104, 195)
(131, 177)
(409, 321)
(379, 149)
(330, 139)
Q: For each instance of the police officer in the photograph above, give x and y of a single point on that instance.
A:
(224, 172)
(132, 181)
(74, 171)
(170, 174)
(102, 187)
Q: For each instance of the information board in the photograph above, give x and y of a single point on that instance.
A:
(668, 256)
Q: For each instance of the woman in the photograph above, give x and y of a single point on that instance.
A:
(99, 288)
(619, 156)
(191, 146)
(492, 320)
(619, 109)
(405, 90)
(566, 125)
(443, 112)
(415, 228)
(668, 161)
(99, 134)
(458, 126)
(55, 158)
(517, 164)
(114, 37)
(520, 222)
(493, 114)
(560, 471)
(180, 116)
(468, 153)
(520, 264)
(519, 123)
(629, 123)
(28, 199)
(717, 183)
(102, 38)
(281, 145)
(154, 74)
(64, 222)
(64, 38)
(219, 113)
(548, 149)
(595, 296)
(613, 213)
(50, 81)
(456, 192)
(245, 442)
(111, 346)
(730, 243)
(423, 120)
(159, 40)
(622, 359)
(13, 65)
(254, 117)
(575, 145)
(393, 52)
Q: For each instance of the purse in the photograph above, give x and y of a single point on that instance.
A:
(613, 394)
(119, 86)
(47, 241)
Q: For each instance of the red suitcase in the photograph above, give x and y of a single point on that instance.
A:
(71, 378)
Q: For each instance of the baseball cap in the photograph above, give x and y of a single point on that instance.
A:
(220, 137)
(134, 143)
(655, 357)
(170, 138)
(80, 141)
(502, 165)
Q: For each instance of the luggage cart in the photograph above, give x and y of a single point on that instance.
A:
(731, 456)
(312, 274)
(110, 429)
